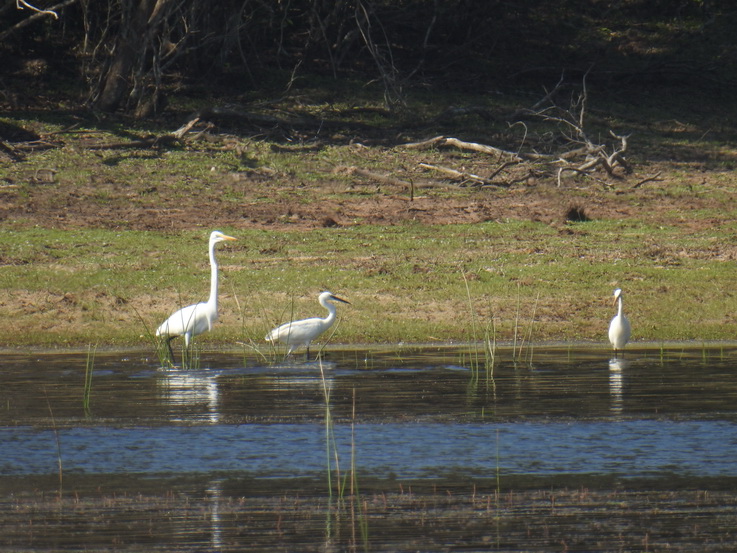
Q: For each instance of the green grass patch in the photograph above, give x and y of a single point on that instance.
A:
(407, 283)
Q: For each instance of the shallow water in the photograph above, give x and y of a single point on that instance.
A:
(228, 455)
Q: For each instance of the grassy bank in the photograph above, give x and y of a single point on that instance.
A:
(102, 237)
(406, 282)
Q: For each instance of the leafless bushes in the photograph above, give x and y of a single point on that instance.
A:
(579, 152)
(557, 139)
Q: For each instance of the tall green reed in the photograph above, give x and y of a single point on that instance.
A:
(338, 485)
(519, 353)
(287, 314)
(88, 370)
(356, 506)
(159, 346)
(251, 339)
(331, 448)
(191, 354)
(331, 454)
(59, 463)
(483, 346)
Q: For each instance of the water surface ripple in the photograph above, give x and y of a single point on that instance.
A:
(624, 448)
(415, 413)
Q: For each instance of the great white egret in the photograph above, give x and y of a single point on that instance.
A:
(619, 328)
(198, 318)
(301, 333)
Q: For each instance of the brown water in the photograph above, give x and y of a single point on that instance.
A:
(569, 451)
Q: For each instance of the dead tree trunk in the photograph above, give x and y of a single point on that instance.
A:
(128, 77)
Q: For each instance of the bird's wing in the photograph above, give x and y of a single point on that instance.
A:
(281, 331)
(296, 331)
(180, 322)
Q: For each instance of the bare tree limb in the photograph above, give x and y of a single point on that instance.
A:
(38, 15)
(655, 177)
(465, 177)
(20, 4)
(184, 129)
(15, 156)
(501, 168)
(573, 122)
(460, 144)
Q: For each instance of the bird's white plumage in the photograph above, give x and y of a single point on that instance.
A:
(301, 333)
(198, 318)
(619, 327)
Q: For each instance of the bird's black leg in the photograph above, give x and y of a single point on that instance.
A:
(171, 351)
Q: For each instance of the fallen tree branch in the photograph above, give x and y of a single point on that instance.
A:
(501, 168)
(655, 177)
(597, 156)
(15, 156)
(572, 170)
(440, 141)
(184, 129)
(587, 155)
(459, 175)
(33, 146)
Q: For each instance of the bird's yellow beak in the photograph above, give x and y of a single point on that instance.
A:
(336, 298)
(226, 237)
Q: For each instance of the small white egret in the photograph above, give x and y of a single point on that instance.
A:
(301, 333)
(619, 328)
(198, 318)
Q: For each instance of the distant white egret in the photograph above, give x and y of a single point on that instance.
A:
(301, 333)
(619, 328)
(198, 318)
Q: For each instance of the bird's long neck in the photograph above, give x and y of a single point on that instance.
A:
(619, 309)
(213, 300)
(331, 313)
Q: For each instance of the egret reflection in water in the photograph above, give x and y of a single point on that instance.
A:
(214, 495)
(616, 366)
(188, 390)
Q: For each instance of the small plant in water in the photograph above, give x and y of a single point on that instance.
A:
(89, 368)
(357, 510)
(488, 340)
(59, 463)
(330, 451)
(190, 353)
(248, 343)
(519, 341)
(162, 352)
(355, 494)
(286, 314)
